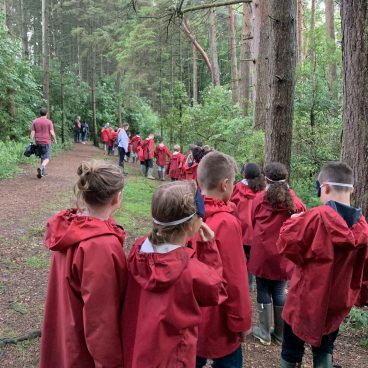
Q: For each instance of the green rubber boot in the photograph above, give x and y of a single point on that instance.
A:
(321, 360)
(285, 364)
(263, 331)
(278, 331)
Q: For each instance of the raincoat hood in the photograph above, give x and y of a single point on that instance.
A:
(214, 205)
(155, 271)
(69, 228)
(245, 190)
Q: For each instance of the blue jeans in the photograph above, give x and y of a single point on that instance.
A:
(233, 360)
(121, 156)
(271, 290)
(293, 347)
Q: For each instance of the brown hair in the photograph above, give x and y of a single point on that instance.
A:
(98, 182)
(278, 192)
(215, 167)
(254, 176)
(170, 202)
(338, 172)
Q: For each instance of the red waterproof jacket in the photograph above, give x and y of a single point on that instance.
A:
(140, 153)
(105, 135)
(220, 328)
(86, 288)
(243, 197)
(363, 296)
(175, 165)
(161, 152)
(329, 258)
(112, 137)
(148, 147)
(136, 142)
(265, 259)
(190, 172)
(165, 292)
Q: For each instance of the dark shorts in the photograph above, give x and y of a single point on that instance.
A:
(44, 151)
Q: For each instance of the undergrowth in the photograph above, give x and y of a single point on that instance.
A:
(358, 320)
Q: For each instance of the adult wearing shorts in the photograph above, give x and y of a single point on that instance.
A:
(41, 133)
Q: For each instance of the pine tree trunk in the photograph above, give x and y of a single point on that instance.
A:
(261, 106)
(93, 97)
(300, 31)
(45, 52)
(195, 75)
(233, 57)
(313, 33)
(118, 97)
(354, 15)
(213, 47)
(25, 50)
(62, 95)
(245, 58)
(331, 45)
(282, 72)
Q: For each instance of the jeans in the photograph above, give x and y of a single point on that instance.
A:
(270, 290)
(77, 135)
(293, 347)
(121, 156)
(233, 360)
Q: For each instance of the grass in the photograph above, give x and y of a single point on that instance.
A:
(37, 262)
(358, 320)
(135, 213)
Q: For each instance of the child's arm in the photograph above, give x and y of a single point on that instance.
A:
(102, 270)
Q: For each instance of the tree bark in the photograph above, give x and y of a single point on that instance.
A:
(354, 15)
(23, 27)
(195, 74)
(45, 52)
(213, 48)
(233, 57)
(331, 45)
(300, 31)
(282, 71)
(261, 106)
(312, 42)
(118, 97)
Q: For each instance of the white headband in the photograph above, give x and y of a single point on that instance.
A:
(338, 184)
(173, 223)
(275, 181)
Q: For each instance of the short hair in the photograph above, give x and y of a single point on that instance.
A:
(176, 147)
(160, 139)
(125, 125)
(43, 111)
(215, 167)
(337, 172)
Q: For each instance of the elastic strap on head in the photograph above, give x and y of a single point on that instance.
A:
(338, 184)
(275, 181)
(173, 223)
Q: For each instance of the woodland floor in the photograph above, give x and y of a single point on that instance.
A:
(27, 203)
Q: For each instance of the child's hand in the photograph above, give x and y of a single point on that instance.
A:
(296, 214)
(206, 233)
(244, 334)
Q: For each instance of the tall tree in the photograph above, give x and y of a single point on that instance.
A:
(300, 31)
(261, 107)
(45, 52)
(312, 43)
(213, 47)
(233, 56)
(355, 94)
(331, 45)
(282, 56)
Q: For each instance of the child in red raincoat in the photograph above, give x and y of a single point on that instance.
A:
(175, 164)
(222, 327)
(87, 277)
(168, 284)
(136, 142)
(105, 137)
(329, 246)
(148, 147)
(270, 209)
(162, 153)
(191, 166)
(243, 195)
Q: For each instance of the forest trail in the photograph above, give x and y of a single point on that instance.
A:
(27, 203)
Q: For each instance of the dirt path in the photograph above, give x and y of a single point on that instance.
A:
(27, 203)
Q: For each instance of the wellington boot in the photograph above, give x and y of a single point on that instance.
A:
(322, 360)
(162, 175)
(285, 364)
(250, 281)
(262, 332)
(143, 170)
(149, 174)
(279, 324)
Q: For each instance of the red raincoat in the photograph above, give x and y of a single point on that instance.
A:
(140, 153)
(105, 135)
(112, 138)
(329, 258)
(190, 172)
(265, 260)
(220, 328)
(148, 147)
(175, 164)
(86, 288)
(161, 152)
(165, 292)
(136, 142)
(243, 197)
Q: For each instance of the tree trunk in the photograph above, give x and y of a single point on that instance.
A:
(23, 30)
(331, 45)
(118, 97)
(233, 57)
(63, 119)
(213, 47)
(300, 31)
(245, 58)
(93, 96)
(313, 33)
(45, 52)
(195, 75)
(261, 106)
(354, 15)
(282, 72)
(255, 35)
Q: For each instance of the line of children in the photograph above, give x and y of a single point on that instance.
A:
(162, 153)
(243, 195)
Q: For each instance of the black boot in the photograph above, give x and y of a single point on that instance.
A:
(322, 360)
(279, 324)
(263, 331)
(285, 364)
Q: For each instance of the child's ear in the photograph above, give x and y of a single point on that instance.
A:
(223, 185)
(117, 198)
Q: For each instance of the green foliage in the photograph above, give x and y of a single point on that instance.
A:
(358, 320)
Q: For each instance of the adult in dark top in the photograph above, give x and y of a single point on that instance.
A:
(84, 131)
(41, 132)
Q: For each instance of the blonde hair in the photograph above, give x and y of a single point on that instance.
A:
(170, 202)
(215, 167)
(98, 182)
(176, 147)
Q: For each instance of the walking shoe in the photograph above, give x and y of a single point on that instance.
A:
(39, 172)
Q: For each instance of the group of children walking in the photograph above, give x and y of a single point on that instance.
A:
(182, 296)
